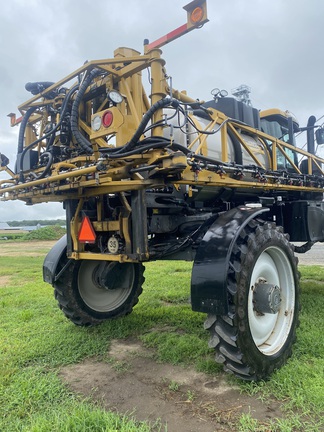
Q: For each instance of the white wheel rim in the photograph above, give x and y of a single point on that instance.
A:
(270, 331)
(102, 299)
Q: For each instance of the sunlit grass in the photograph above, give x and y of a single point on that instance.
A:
(36, 340)
(300, 383)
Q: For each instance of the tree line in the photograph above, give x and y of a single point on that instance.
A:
(33, 222)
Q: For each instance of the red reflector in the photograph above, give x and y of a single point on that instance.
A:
(107, 119)
(86, 233)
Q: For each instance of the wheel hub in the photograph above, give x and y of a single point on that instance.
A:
(266, 298)
(108, 276)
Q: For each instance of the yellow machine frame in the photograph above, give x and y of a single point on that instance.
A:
(88, 176)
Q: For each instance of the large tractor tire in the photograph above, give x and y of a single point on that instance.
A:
(257, 334)
(90, 292)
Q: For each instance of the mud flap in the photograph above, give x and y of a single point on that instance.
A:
(210, 268)
(52, 259)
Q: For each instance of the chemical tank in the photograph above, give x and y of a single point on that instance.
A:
(185, 131)
(212, 147)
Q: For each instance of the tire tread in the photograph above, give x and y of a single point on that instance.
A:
(224, 330)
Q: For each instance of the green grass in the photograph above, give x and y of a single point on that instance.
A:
(4, 236)
(36, 340)
(300, 384)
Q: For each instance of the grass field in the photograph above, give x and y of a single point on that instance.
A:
(36, 341)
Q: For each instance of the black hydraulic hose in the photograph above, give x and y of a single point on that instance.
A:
(66, 101)
(146, 118)
(189, 153)
(22, 129)
(304, 248)
(156, 143)
(51, 140)
(33, 145)
(30, 111)
(51, 132)
(155, 139)
(163, 121)
(47, 168)
(167, 101)
(37, 87)
(144, 145)
(140, 149)
(181, 148)
(81, 139)
(205, 132)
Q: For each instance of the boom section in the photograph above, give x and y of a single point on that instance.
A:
(114, 133)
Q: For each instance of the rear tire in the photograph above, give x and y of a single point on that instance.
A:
(252, 344)
(86, 301)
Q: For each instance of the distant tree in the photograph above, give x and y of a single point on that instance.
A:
(34, 222)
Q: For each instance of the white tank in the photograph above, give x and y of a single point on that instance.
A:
(212, 147)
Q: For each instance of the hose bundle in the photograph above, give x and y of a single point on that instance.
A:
(80, 138)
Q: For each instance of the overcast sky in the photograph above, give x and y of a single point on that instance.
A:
(274, 47)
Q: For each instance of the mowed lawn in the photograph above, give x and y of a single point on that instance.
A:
(36, 340)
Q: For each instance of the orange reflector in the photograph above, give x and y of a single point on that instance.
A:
(86, 233)
(197, 15)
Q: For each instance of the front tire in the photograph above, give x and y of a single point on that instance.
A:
(256, 336)
(86, 298)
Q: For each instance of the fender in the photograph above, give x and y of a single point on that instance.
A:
(210, 268)
(52, 259)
